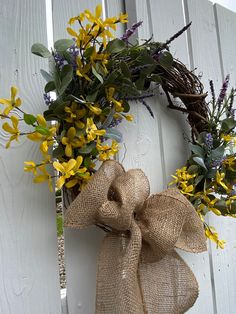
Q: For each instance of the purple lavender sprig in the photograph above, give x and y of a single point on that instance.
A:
(130, 31)
(115, 122)
(47, 99)
(223, 91)
(209, 141)
(59, 60)
(212, 88)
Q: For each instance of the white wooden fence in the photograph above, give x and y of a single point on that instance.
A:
(29, 280)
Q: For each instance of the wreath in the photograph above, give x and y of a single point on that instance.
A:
(91, 81)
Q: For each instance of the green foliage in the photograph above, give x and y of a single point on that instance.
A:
(40, 50)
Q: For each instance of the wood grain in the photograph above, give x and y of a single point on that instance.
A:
(29, 281)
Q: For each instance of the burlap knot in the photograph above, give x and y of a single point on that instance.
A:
(139, 271)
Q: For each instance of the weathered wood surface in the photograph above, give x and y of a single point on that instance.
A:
(29, 281)
(29, 271)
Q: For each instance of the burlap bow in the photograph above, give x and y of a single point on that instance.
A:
(139, 271)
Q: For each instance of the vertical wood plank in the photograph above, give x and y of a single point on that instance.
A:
(81, 246)
(215, 62)
(167, 149)
(224, 260)
(29, 277)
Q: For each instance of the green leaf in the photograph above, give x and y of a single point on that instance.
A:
(66, 77)
(40, 50)
(50, 86)
(62, 45)
(166, 59)
(126, 106)
(29, 119)
(228, 124)
(109, 118)
(59, 151)
(88, 52)
(198, 150)
(92, 97)
(115, 45)
(87, 148)
(42, 130)
(140, 83)
(125, 69)
(48, 77)
(155, 78)
(217, 153)
(97, 75)
(193, 169)
(211, 173)
(114, 134)
(200, 162)
(199, 179)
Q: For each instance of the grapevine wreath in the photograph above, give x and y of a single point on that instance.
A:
(94, 76)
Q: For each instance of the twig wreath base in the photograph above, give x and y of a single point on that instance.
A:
(94, 76)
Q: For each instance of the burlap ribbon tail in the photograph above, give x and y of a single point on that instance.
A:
(139, 271)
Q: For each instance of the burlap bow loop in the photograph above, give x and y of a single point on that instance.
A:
(139, 271)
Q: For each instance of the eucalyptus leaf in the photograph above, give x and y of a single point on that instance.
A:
(50, 86)
(48, 77)
(59, 151)
(87, 148)
(115, 45)
(193, 169)
(166, 59)
(40, 50)
(66, 77)
(155, 78)
(125, 69)
(88, 52)
(200, 162)
(114, 134)
(108, 120)
(62, 45)
(199, 179)
(198, 150)
(97, 75)
(217, 153)
(228, 124)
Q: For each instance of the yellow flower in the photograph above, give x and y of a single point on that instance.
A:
(118, 104)
(102, 57)
(81, 174)
(95, 109)
(44, 177)
(12, 130)
(75, 114)
(186, 189)
(213, 236)
(11, 103)
(230, 162)
(41, 120)
(92, 131)
(106, 151)
(182, 175)
(66, 170)
(227, 137)
(30, 166)
(123, 18)
(129, 117)
(71, 140)
(219, 180)
(82, 69)
(47, 140)
(76, 18)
